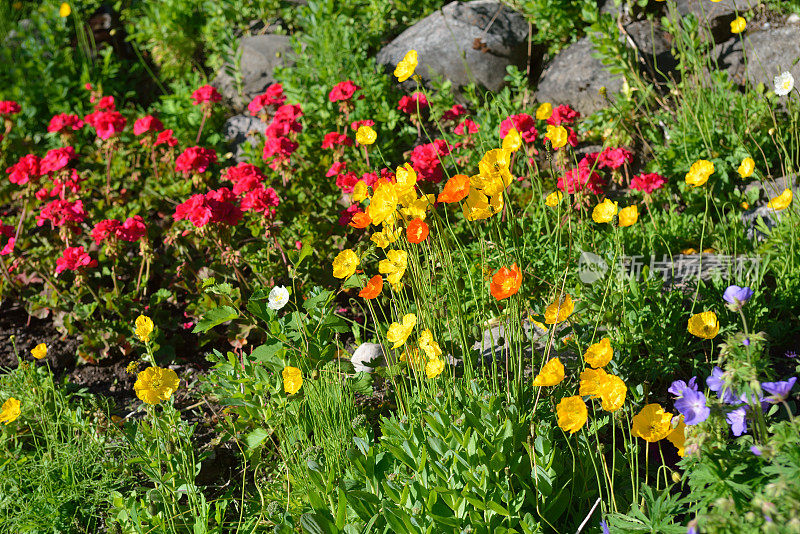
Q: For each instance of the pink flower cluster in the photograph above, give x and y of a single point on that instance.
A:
(416, 103)
(57, 159)
(195, 159)
(107, 123)
(214, 207)
(426, 160)
(279, 145)
(27, 169)
(247, 182)
(133, 229)
(64, 122)
(343, 91)
(61, 212)
(648, 182)
(7, 232)
(9, 107)
(205, 95)
(147, 124)
(271, 98)
(73, 259)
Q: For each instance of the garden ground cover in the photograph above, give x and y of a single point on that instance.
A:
(432, 285)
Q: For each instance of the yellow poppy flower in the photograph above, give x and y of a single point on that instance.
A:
(386, 237)
(383, 203)
(360, 191)
(428, 345)
(398, 332)
(365, 135)
(64, 10)
(705, 325)
(292, 379)
(494, 173)
(345, 263)
(144, 328)
(156, 384)
(591, 382)
(782, 201)
(478, 206)
(604, 212)
(612, 393)
(557, 135)
(10, 410)
(572, 414)
(699, 172)
(512, 141)
(544, 111)
(652, 423)
(599, 354)
(678, 436)
(39, 351)
(394, 266)
(738, 25)
(558, 312)
(406, 179)
(746, 168)
(628, 216)
(434, 367)
(551, 373)
(405, 69)
(416, 208)
(553, 199)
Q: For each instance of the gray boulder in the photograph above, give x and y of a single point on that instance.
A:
(654, 45)
(367, 357)
(771, 52)
(241, 129)
(769, 216)
(575, 77)
(260, 55)
(714, 17)
(464, 42)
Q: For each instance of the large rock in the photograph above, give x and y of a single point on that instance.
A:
(367, 357)
(241, 129)
(771, 52)
(715, 17)
(260, 55)
(464, 42)
(655, 46)
(770, 217)
(575, 77)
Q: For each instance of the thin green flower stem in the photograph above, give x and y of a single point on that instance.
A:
(702, 236)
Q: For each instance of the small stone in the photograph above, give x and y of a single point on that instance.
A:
(367, 357)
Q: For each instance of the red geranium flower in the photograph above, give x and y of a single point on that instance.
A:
(648, 182)
(454, 113)
(147, 124)
(343, 91)
(9, 107)
(244, 177)
(467, 126)
(523, 123)
(61, 212)
(195, 160)
(563, 115)
(63, 122)
(415, 103)
(260, 199)
(273, 96)
(106, 123)
(165, 137)
(426, 160)
(355, 125)
(27, 169)
(74, 258)
(205, 94)
(57, 159)
(614, 158)
(106, 104)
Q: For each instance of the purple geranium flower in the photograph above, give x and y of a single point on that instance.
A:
(736, 296)
(604, 527)
(738, 421)
(716, 383)
(693, 407)
(779, 391)
(677, 388)
(755, 450)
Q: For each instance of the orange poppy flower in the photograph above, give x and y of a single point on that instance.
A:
(360, 220)
(506, 282)
(455, 190)
(417, 231)
(373, 288)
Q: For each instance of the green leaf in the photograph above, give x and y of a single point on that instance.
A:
(215, 317)
(256, 438)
